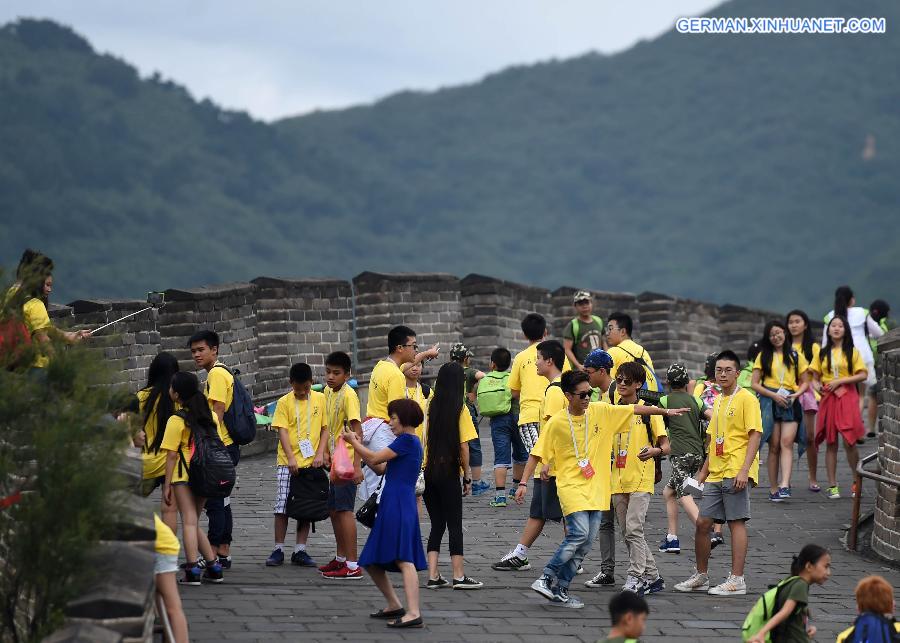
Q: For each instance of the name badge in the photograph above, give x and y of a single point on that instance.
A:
(783, 392)
(621, 457)
(586, 469)
(306, 449)
(720, 446)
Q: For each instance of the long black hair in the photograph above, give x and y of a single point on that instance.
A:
(194, 406)
(33, 269)
(767, 350)
(809, 555)
(842, 297)
(159, 376)
(444, 411)
(847, 344)
(806, 341)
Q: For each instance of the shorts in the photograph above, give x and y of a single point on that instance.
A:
(341, 497)
(148, 485)
(874, 389)
(683, 467)
(808, 401)
(165, 563)
(722, 504)
(282, 489)
(529, 434)
(508, 447)
(545, 501)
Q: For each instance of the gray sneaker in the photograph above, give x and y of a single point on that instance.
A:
(562, 598)
(543, 586)
(696, 583)
(733, 586)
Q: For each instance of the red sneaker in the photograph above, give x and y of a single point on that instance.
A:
(333, 566)
(344, 573)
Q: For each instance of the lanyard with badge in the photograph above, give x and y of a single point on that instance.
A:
(306, 447)
(583, 463)
(333, 415)
(781, 388)
(720, 437)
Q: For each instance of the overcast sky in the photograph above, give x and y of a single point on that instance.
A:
(278, 58)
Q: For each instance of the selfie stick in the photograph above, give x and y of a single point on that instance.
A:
(97, 330)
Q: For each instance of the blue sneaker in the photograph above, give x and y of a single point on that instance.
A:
(302, 559)
(670, 545)
(212, 572)
(785, 492)
(512, 492)
(776, 496)
(275, 559)
(656, 586)
(480, 487)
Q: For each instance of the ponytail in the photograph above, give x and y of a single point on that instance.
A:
(809, 555)
(194, 407)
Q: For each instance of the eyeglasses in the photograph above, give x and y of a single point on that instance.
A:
(725, 371)
(584, 395)
(414, 346)
(624, 381)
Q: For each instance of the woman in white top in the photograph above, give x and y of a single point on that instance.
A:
(862, 326)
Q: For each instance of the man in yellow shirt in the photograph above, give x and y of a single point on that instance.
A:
(219, 391)
(623, 349)
(386, 384)
(731, 468)
(300, 419)
(578, 440)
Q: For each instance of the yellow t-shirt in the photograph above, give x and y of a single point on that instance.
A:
(789, 380)
(166, 542)
(386, 384)
(340, 406)
(178, 437)
(154, 463)
(632, 437)
(36, 318)
(523, 377)
(466, 431)
(734, 417)
(838, 362)
(627, 351)
(577, 493)
(303, 419)
(418, 396)
(816, 349)
(220, 388)
(554, 401)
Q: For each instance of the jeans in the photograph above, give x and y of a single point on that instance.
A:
(631, 511)
(607, 540)
(218, 510)
(475, 458)
(581, 530)
(508, 447)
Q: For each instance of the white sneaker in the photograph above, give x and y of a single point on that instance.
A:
(733, 586)
(696, 583)
(632, 584)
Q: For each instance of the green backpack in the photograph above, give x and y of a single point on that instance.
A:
(576, 326)
(763, 610)
(493, 394)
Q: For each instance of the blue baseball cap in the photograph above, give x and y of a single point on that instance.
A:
(598, 358)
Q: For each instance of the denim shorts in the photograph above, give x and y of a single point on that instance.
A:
(508, 447)
(341, 497)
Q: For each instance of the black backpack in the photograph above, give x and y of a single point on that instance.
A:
(211, 473)
(240, 418)
(307, 499)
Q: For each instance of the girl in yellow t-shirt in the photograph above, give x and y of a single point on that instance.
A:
(779, 378)
(837, 372)
(156, 407)
(802, 341)
(194, 417)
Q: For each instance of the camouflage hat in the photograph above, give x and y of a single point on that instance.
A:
(459, 352)
(581, 295)
(677, 374)
(599, 358)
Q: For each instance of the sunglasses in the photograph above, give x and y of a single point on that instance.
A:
(584, 396)
(624, 381)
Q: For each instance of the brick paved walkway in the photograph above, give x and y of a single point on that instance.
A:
(259, 603)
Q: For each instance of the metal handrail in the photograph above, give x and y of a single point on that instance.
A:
(860, 474)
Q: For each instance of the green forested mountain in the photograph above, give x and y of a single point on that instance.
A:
(728, 168)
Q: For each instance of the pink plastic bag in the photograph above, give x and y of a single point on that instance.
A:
(341, 464)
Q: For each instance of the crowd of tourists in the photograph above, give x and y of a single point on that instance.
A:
(578, 427)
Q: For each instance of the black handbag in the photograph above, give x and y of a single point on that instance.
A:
(307, 499)
(366, 514)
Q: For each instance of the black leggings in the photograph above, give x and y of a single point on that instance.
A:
(443, 499)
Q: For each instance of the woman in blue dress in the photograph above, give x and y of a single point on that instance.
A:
(395, 542)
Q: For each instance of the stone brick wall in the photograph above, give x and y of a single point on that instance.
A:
(678, 330)
(886, 531)
(604, 304)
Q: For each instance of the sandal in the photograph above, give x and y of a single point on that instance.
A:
(397, 613)
(815, 488)
(416, 622)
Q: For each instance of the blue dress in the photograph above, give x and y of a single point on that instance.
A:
(396, 534)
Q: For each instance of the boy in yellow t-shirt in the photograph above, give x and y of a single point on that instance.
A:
(300, 419)
(342, 409)
(219, 391)
(730, 469)
(623, 349)
(635, 444)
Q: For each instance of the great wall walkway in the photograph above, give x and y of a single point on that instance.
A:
(290, 603)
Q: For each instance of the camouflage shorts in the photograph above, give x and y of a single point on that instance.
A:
(683, 467)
